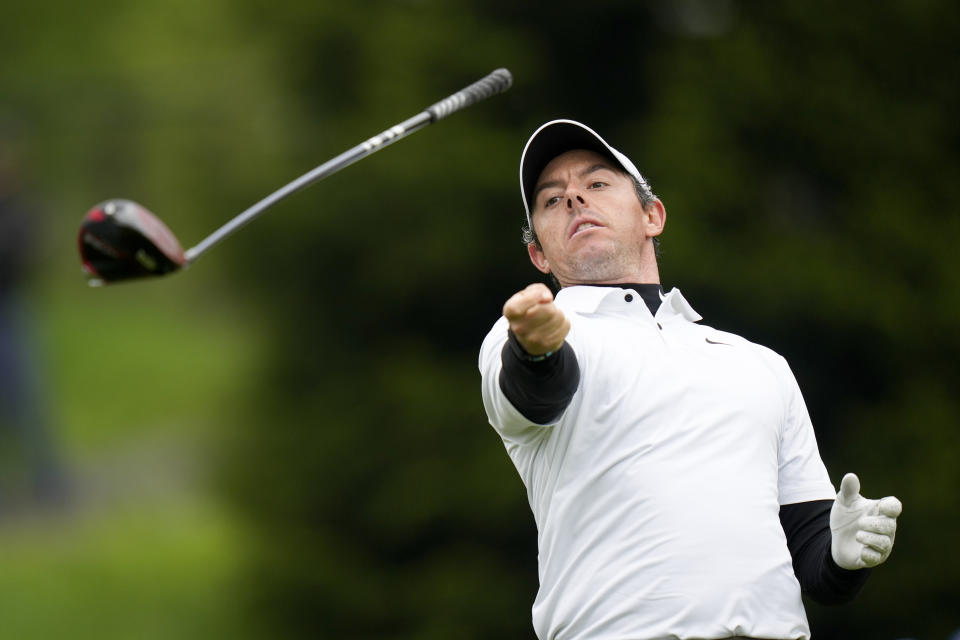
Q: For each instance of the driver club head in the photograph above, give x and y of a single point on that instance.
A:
(121, 240)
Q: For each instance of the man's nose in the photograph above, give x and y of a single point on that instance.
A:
(578, 198)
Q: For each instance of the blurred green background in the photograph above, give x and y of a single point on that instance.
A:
(288, 441)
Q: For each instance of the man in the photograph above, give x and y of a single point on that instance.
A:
(671, 468)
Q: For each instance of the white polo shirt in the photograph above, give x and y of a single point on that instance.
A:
(656, 494)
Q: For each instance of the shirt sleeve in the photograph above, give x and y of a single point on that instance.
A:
(534, 417)
(540, 388)
(807, 527)
(802, 475)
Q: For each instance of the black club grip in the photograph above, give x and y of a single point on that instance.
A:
(497, 82)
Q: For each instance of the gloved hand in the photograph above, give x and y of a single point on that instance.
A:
(863, 530)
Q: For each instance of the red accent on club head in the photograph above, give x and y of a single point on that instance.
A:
(94, 215)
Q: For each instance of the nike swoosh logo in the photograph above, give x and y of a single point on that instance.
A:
(709, 341)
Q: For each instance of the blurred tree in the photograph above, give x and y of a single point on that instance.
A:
(384, 507)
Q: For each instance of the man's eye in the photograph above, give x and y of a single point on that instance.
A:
(597, 185)
(551, 201)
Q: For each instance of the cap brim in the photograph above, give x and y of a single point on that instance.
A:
(557, 137)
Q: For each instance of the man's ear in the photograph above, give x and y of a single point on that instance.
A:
(655, 218)
(537, 258)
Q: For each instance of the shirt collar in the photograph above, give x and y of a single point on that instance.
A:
(587, 299)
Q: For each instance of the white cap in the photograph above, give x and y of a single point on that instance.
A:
(557, 137)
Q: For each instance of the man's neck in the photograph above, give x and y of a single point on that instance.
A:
(646, 272)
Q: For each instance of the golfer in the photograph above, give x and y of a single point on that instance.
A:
(672, 469)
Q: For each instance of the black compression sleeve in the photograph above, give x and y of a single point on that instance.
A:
(540, 390)
(807, 526)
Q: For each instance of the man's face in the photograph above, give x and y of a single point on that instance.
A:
(590, 223)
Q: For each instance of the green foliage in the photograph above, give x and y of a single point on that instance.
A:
(806, 153)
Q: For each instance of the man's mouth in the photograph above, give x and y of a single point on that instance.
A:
(583, 226)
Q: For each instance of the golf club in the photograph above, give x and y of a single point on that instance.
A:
(120, 240)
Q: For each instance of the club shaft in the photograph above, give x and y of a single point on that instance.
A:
(494, 83)
(327, 168)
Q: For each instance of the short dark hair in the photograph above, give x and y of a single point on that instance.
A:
(644, 194)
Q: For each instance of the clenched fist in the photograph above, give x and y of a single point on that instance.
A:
(535, 320)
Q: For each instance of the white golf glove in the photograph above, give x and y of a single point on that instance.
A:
(863, 530)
